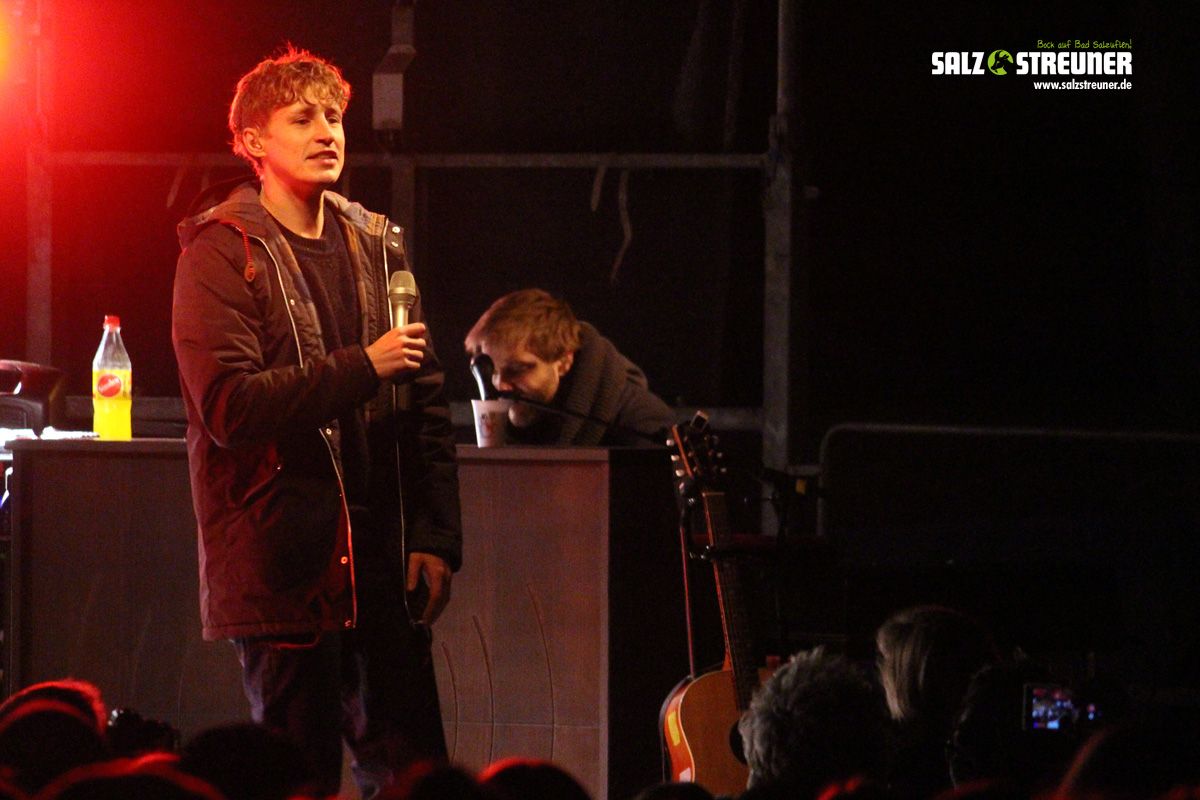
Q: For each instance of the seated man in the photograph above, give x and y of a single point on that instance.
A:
(541, 352)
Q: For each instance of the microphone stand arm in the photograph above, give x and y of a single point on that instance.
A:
(657, 439)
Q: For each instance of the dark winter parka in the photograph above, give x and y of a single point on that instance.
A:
(263, 398)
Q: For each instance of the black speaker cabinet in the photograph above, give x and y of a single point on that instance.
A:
(103, 581)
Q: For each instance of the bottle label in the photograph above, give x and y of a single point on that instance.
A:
(108, 384)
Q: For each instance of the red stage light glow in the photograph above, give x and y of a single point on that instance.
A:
(6, 45)
(12, 57)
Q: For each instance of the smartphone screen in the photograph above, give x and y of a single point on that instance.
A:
(1049, 707)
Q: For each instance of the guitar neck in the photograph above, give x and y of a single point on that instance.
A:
(735, 623)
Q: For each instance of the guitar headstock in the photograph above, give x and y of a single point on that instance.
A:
(696, 459)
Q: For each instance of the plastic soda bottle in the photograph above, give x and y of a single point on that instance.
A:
(112, 385)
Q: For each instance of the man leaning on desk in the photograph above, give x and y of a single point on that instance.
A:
(583, 391)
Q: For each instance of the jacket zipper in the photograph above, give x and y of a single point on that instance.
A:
(287, 306)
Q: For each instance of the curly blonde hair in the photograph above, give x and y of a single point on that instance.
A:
(276, 82)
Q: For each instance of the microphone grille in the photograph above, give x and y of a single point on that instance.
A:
(403, 285)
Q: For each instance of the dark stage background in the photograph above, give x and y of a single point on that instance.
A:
(978, 253)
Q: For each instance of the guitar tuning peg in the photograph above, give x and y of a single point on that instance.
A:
(679, 473)
(674, 459)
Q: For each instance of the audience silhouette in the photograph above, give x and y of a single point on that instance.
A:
(246, 761)
(818, 729)
(154, 776)
(82, 695)
(42, 739)
(818, 719)
(927, 655)
(991, 743)
(530, 779)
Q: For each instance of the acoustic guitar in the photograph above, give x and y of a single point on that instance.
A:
(699, 718)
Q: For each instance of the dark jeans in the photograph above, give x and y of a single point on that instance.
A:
(372, 685)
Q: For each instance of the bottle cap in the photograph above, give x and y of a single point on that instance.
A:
(112, 321)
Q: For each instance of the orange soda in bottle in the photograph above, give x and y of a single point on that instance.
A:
(112, 385)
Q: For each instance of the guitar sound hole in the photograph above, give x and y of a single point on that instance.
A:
(735, 743)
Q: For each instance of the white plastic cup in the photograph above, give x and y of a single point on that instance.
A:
(491, 417)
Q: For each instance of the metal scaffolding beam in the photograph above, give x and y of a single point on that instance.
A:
(746, 161)
(786, 315)
(39, 325)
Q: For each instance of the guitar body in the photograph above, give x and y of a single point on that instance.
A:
(699, 721)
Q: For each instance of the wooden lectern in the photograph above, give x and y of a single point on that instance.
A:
(566, 629)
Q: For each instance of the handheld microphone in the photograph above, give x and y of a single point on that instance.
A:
(483, 368)
(402, 294)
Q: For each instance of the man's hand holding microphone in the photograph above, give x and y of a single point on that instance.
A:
(402, 348)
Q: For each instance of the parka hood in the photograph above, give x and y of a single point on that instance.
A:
(236, 202)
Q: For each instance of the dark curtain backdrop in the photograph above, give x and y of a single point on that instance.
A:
(978, 252)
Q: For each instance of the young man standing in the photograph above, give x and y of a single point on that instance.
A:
(319, 442)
